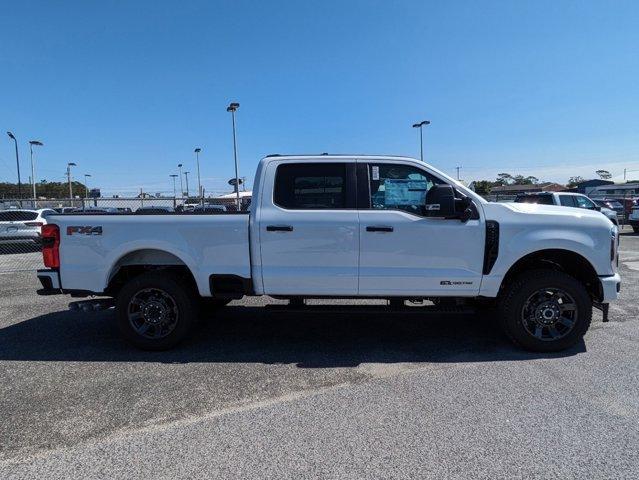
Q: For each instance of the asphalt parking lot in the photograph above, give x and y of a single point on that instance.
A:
(254, 394)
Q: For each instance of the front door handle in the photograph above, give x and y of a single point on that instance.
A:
(279, 228)
(375, 228)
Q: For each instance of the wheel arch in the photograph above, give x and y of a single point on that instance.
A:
(568, 261)
(137, 262)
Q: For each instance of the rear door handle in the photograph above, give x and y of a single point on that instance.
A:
(279, 228)
(374, 228)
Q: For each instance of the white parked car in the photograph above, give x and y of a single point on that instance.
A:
(333, 226)
(23, 226)
(567, 199)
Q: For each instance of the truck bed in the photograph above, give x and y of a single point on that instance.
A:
(92, 247)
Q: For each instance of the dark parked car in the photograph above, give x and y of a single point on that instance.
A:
(154, 210)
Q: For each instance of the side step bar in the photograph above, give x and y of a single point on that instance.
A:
(366, 309)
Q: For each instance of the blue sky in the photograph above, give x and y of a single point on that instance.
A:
(127, 89)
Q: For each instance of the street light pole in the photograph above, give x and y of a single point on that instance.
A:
(186, 176)
(33, 182)
(420, 125)
(233, 108)
(69, 165)
(181, 186)
(199, 184)
(11, 136)
(86, 185)
(173, 176)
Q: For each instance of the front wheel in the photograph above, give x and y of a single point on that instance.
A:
(545, 310)
(154, 311)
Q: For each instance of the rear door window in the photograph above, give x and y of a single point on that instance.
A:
(567, 200)
(313, 186)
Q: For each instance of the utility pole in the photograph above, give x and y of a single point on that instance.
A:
(186, 176)
(420, 125)
(233, 108)
(199, 184)
(11, 136)
(458, 168)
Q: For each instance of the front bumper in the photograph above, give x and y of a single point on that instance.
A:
(610, 287)
(50, 280)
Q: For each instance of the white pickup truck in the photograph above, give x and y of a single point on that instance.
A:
(330, 226)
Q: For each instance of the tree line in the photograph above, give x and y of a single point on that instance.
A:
(483, 187)
(43, 189)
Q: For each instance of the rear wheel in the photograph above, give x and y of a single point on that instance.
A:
(545, 310)
(155, 312)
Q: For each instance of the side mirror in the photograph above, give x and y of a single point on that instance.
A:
(440, 202)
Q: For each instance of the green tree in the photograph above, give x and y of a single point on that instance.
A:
(483, 187)
(504, 179)
(43, 189)
(573, 181)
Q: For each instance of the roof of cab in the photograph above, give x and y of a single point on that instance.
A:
(335, 155)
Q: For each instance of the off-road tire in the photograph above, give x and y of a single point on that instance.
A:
(515, 295)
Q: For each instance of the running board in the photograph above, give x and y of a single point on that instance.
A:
(368, 309)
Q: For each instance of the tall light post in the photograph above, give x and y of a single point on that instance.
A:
(86, 185)
(199, 184)
(33, 182)
(69, 165)
(181, 186)
(12, 137)
(174, 176)
(186, 176)
(420, 125)
(233, 108)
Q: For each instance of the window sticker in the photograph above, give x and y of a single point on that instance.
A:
(375, 172)
(404, 192)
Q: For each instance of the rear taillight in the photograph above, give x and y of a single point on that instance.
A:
(51, 246)
(33, 224)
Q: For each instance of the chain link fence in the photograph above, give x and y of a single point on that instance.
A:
(21, 219)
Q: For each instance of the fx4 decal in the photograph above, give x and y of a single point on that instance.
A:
(88, 230)
(449, 282)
